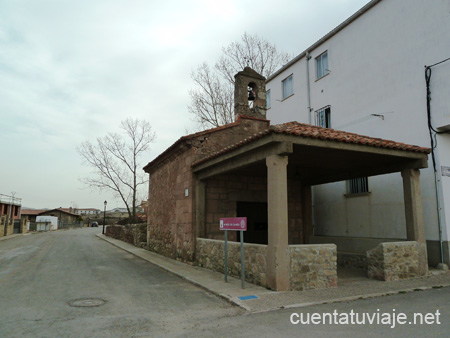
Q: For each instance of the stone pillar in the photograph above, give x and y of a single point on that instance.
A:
(278, 273)
(307, 214)
(415, 229)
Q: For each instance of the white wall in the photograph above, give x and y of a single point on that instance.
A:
(52, 219)
(377, 67)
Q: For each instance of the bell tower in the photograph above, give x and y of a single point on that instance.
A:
(249, 94)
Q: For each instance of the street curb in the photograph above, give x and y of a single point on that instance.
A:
(192, 281)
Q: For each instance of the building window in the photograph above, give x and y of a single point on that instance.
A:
(268, 102)
(323, 117)
(358, 186)
(322, 65)
(288, 86)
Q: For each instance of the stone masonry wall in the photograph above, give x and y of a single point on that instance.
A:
(210, 255)
(135, 234)
(171, 213)
(295, 213)
(170, 226)
(223, 193)
(393, 261)
(313, 266)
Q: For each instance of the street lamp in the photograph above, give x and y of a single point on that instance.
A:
(104, 216)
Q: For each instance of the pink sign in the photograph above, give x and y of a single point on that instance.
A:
(235, 223)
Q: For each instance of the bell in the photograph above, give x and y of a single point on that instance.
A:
(251, 95)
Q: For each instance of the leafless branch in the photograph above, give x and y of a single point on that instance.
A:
(114, 159)
(212, 100)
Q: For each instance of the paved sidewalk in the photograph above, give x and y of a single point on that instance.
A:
(352, 284)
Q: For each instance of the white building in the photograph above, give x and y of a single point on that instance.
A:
(368, 76)
(87, 211)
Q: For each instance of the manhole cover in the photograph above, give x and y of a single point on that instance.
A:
(87, 302)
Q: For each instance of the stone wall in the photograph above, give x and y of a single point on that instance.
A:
(313, 266)
(135, 234)
(170, 226)
(223, 193)
(393, 261)
(210, 255)
(171, 201)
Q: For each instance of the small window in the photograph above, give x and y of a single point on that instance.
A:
(322, 65)
(288, 87)
(323, 117)
(358, 186)
(268, 101)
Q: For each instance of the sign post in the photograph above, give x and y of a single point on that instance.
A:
(226, 256)
(236, 224)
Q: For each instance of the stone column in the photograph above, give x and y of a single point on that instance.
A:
(278, 260)
(415, 229)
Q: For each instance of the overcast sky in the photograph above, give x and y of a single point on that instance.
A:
(72, 70)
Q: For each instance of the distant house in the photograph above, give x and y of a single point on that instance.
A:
(10, 207)
(63, 215)
(87, 211)
(31, 214)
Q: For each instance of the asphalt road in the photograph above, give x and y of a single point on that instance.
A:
(41, 274)
(44, 278)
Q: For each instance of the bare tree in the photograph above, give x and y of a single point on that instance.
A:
(115, 160)
(212, 100)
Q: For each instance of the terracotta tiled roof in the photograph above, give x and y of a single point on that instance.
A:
(32, 212)
(315, 132)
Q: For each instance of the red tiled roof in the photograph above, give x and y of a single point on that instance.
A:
(31, 212)
(315, 132)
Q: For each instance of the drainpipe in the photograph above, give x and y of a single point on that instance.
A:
(438, 200)
(433, 146)
(308, 89)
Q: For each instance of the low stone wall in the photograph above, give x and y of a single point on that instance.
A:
(393, 261)
(313, 266)
(135, 234)
(209, 254)
(352, 260)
